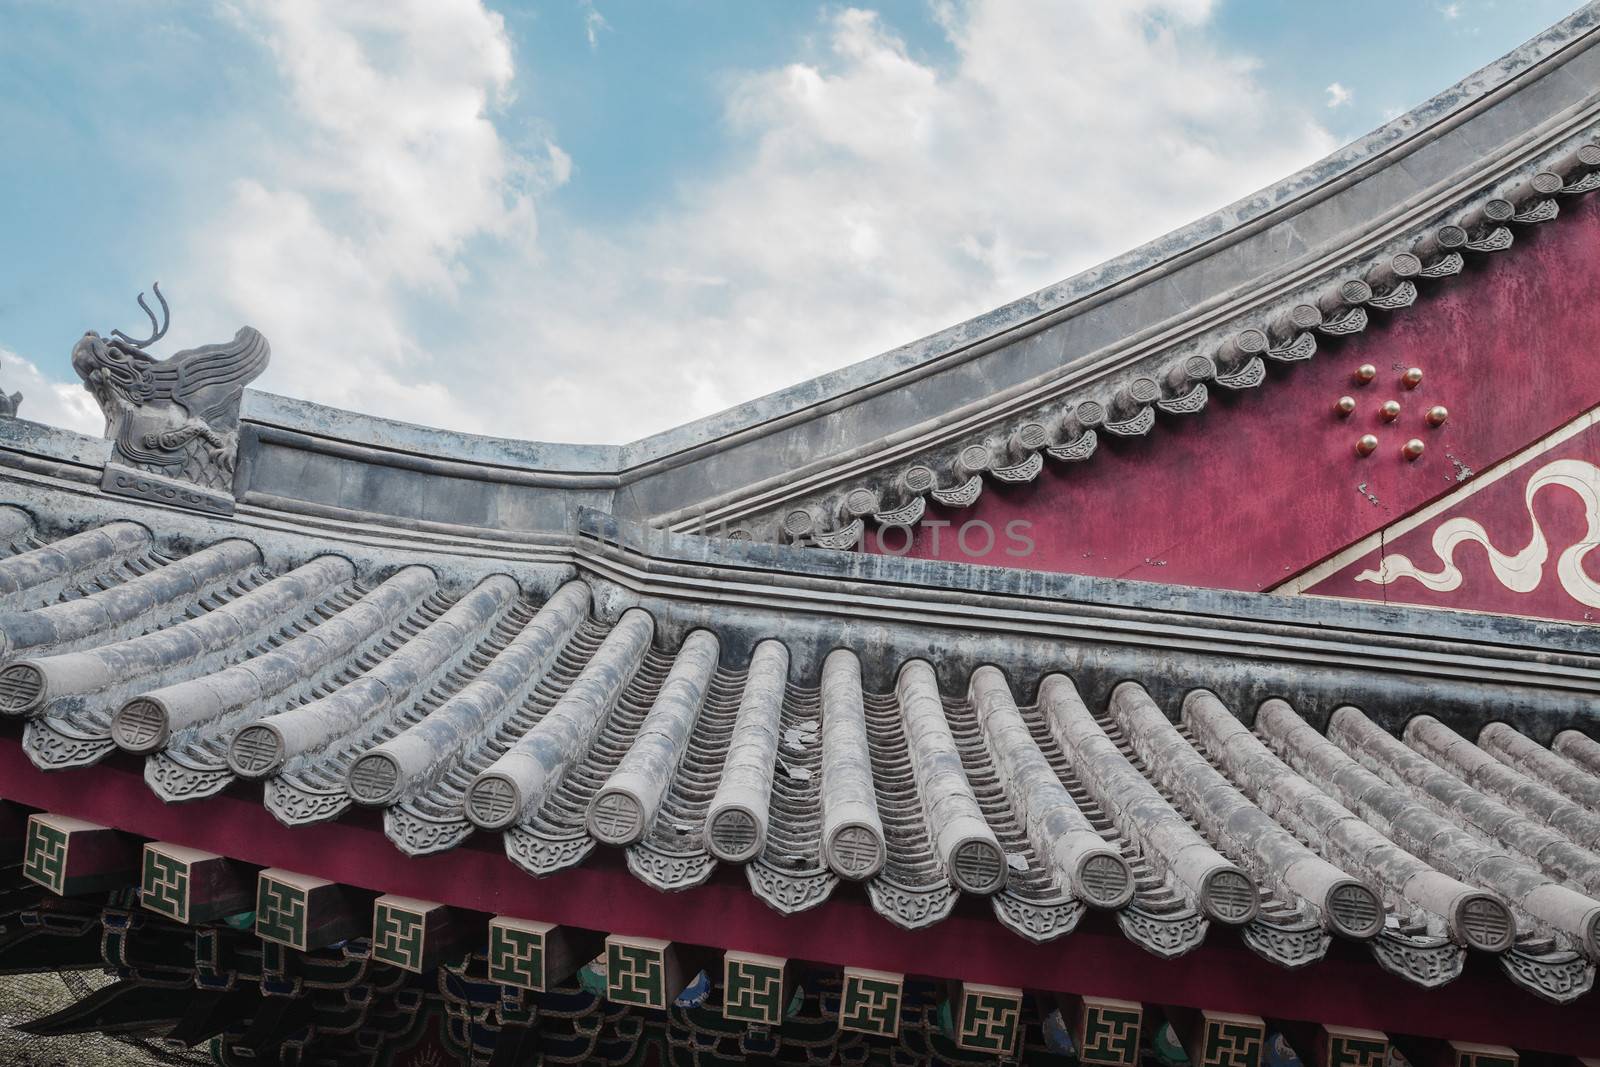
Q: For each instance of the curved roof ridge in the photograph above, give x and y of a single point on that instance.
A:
(1392, 139)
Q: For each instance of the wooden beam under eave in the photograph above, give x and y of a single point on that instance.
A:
(190, 886)
(1107, 1031)
(644, 972)
(416, 935)
(1472, 1054)
(988, 1018)
(538, 956)
(870, 1002)
(1219, 1038)
(1350, 1046)
(755, 988)
(302, 912)
(71, 857)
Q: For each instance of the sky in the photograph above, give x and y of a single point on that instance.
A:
(592, 220)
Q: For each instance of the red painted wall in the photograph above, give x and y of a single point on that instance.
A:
(1542, 520)
(1263, 484)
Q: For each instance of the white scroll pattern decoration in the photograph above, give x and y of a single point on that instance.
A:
(1522, 571)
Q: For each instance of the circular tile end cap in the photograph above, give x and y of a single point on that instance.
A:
(256, 751)
(733, 834)
(1104, 880)
(978, 866)
(140, 726)
(1354, 910)
(854, 851)
(1484, 922)
(493, 801)
(1229, 896)
(616, 817)
(374, 778)
(21, 689)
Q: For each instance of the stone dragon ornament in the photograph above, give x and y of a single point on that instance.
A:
(174, 422)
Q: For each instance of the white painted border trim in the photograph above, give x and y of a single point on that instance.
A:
(1400, 527)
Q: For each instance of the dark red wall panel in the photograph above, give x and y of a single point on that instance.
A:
(1265, 483)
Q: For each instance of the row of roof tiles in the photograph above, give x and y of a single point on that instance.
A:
(562, 731)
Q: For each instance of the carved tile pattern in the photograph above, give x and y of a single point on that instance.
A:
(753, 992)
(911, 908)
(670, 871)
(636, 975)
(1038, 921)
(870, 1003)
(1485, 1057)
(991, 1021)
(1287, 946)
(397, 935)
(1350, 1050)
(1429, 962)
(516, 956)
(1559, 978)
(164, 885)
(1231, 1043)
(789, 893)
(44, 860)
(281, 912)
(1110, 1034)
(1167, 936)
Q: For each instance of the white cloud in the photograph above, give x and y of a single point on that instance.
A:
(1450, 11)
(65, 404)
(593, 23)
(872, 197)
(1338, 95)
(881, 197)
(388, 168)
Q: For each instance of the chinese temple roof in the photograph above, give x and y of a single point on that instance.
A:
(262, 657)
(1086, 775)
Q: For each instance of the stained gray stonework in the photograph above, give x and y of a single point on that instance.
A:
(930, 730)
(174, 423)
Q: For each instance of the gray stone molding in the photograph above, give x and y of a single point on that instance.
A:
(1248, 835)
(412, 760)
(624, 808)
(517, 782)
(1530, 796)
(1213, 885)
(279, 742)
(1433, 786)
(1094, 872)
(1543, 901)
(1471, 916)
(736, 824)
(972, 858)
(852, 832)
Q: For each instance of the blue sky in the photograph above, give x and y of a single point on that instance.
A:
(591, 220)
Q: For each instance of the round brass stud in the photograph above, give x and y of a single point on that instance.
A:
(1391, 410)
(1367, 445)
(1345, 406)
(1412, 378)
(1436, 415)
(1365, 373)
(1413, 449)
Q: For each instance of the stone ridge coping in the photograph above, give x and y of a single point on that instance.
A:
(773, 564)
(951, 343)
